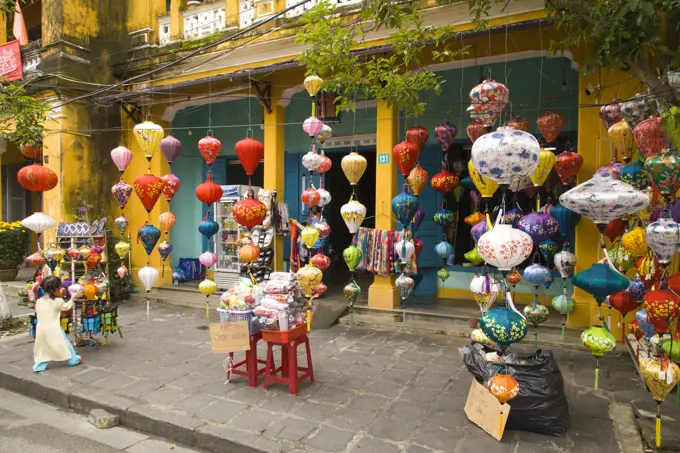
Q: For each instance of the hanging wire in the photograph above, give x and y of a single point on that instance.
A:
(210, 131)
(249, 131)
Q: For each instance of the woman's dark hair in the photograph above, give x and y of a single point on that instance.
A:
(316, 210)
(51, 285)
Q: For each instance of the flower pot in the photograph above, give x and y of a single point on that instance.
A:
(8, 275)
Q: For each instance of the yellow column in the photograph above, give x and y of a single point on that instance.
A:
(176, 20)
(1, 197)
(382, 293)
(274, 161)
(595, 149)
(232, 9)
(53, 200)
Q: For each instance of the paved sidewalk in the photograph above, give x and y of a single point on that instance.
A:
(375, 392)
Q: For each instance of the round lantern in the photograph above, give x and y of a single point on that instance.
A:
(536, 314)
(309, 236)
(445, 133)
(404, 207)
(417, 135)
(171, 185)
(31, 151)
(84, 252)
(353, 213)
(312, 126)
(248, 252)
(518, 122)
(650, 136)
(622, 140)
(352, 256)
(325, 134)
(37, 178)
(539, 226)
(663, 170)
(475, 130)
(121, 192)
(445, 182)
(567, 166)
(164, 250)
(634, 242)
(443, 249)
(485, 291)
(417, 179)
(565, 262)
(170, 147)
(512, 216)
(89, 291)
(663, 237)
(209, 148)
(514, 277)
(309, 278)
(207, 259)
(351, 291)
(662, 307)
(537, 274)
(405, 154)
(623, 303)
(489, 96)
(73, 253)
(167, 221)
(603, 199)
(321, 261)
(652, 368)
(405, 285)
(209, 192)
(636, 109)
(325, 165)
(503, 386)
(311, 160)
(504, 326)
(405, 250)
(444, 217)
(249, 212)
(614, 229)
(208, 228)
(149, 236)
(323, 228)
(310, 197)
(601, 281)
(148, 189)
(148, 276)
(485, 186)
(546, 161)
(637, 288)
(550, 124)
(598, 340)
(324, 197)
(478, 230)
(149, 136)
(121, 157)
(564, 305)
(506, 155)
(353, 165)
(505, 247)
(250, 152)
(312, 84)
(610, 114)
(634, 174)
(320, 290)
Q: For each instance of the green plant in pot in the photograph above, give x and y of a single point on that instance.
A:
(13, 246)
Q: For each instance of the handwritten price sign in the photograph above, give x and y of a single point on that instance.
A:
(229, 337)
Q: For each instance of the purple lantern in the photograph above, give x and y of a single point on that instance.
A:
(512, 216)
(418, 218)
(539, 226)
(170, 147)
(675, 212)
(478, 230)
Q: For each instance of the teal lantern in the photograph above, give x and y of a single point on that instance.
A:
(208, 228)
(504, 326)
(405, 206)
(149, 236)
(566, 219)
(564, 305)
(444, 217)
(635, 175)
(548, 249)
(600, 280)
(467, 183)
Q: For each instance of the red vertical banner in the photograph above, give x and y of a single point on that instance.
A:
(11, 67)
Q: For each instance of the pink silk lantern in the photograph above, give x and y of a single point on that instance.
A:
(650, 136)
(312, 126)
(207, 259)
(170, 147)
(326, 164)
(121, 156)
(171, 185)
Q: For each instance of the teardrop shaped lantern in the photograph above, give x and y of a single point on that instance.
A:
(149, 136)
(539, 226)
(312, 84)
(149, 236)
(475, 130)
(567, 166)
(485, 186)
(601, 281)
(506, 155)
(519, 122)
(122, 223)
(417, 135)
(209, 148)
(250, 152)
(621, 137)
(353, 213)
(417, 179)
(546, 161)
(505, 247)
(610, 114)
(650, 136)
(550, 124)
(164, 249)
(405, 154)
(489, 96)
(445, 182)
(405, 285)
(167, 221)
(663, 237)
(637, 288)
(148, 189)
(208, 192)
(324, 197)
(353, 165)
(445, 133)
(121, 157)
(405, 250)
(663, 170)
(309, 278)
(121, 192)
(170, 147)
(171, 185)
(351, 292)
(309, 236)
(404, 207)
(325, 134)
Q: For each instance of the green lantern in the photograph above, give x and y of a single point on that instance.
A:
(352, 256)
(504, 326)
(670, 120)
(443, 274)
(474, 257)
(598, 341)
(564, 305)
(663, 170)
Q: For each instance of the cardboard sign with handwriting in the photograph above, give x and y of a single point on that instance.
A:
(229, 337)
(484, 410)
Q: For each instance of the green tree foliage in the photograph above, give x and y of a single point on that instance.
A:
(393, 75)
(22, 117)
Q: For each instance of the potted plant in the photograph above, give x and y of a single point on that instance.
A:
(13, 245)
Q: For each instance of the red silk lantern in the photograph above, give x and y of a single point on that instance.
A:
(615, 229)
(623, 303)
(475, 130)
(417, 135)
(37, 178)
(650, 136)
(418, 245)
(405, 155)
(310, 197)
(209, 147)
(634, 328)
(31, 151)
(520, 123)
(445, 181)
(249, 212)
(320, 289)
(326, 164)
(662, 307)
(250, 152)
(148, 188)
(649, 269)
(94, 259)
(321, 261)
(550, 124)
(171, 185)
(209, 192)
(567, 166)
(35, 260)
(674, 283)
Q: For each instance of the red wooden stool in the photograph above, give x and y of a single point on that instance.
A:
(250, 363)
(289, 368)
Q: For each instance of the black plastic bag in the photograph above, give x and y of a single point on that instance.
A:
(541, 405)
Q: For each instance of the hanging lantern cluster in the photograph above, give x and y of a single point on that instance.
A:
(36, 177)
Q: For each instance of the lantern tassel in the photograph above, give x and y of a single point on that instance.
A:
(536, 340)
(500, 427)
(207, 308)
(351, 325)
(563, 337)
(658, 425)
(597, 374)
(309, 320)
(147, 306)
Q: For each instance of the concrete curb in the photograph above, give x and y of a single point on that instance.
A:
(173, 425)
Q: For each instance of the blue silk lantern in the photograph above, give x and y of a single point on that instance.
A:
(208, 228)
(637, 289)
(537, 274)
(405, 206)
(600, 280)
(164, 249)
(504, 326)
(444, 217)
(467, 183)
(548, 250)
(647, 327)
(512, 217)
(443, 250)
(566, 219)
(149, 235)
(478, 230)
(539, 226)
(635, 175)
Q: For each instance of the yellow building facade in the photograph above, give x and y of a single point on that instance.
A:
(93, 45)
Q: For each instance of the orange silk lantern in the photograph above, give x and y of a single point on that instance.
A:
(167, 221)
(662, 307)
(326, 164)
(94, 259)
(250, 152)
(209, 192)
(550, 124)
(248, 252)
(37, 178)
(171, 185)
(249, 212)
(31, 151)
(649, 269)
(321, 261)
(504, 387)
(416, 179)
(89, 291)
(474, 218)
(520, 123)
(209, 147)
(445, 182)
(417, 135)
(148, 189)
(405, 155)
(310, 197)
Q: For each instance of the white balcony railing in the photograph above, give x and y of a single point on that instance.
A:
(204, 20)
(309, 5)
(254, 10)
(164, 31)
